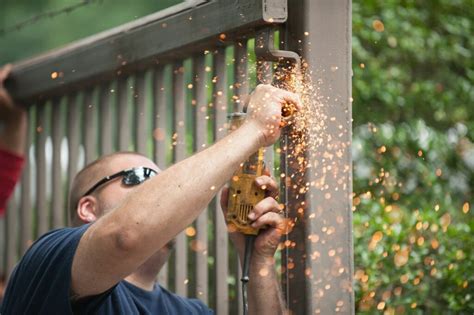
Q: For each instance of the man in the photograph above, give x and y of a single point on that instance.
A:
(109, 262)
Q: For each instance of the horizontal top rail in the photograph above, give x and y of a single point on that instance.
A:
(150, 40)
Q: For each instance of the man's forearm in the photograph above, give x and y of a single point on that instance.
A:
(265, 296)
(13, 134)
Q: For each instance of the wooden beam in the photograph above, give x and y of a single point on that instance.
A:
(140, 44)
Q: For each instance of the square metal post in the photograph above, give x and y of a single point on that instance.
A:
(319, 260)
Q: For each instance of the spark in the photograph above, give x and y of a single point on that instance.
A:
(378, 26)
(465, 207)
(381, 306)
(159, 134)
(401, 257)
(263, 272)
(190, 231)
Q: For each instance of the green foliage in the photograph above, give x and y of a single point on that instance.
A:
(413, 156)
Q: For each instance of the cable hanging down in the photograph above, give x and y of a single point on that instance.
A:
(249, 240)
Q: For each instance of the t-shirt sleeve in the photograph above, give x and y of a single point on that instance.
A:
(9, 176)
(40, 283)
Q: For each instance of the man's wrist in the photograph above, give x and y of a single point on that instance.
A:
(255, 133)
(262, 261)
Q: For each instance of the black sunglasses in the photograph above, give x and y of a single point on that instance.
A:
(131, 177)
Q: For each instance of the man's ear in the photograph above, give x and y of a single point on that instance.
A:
(87, 209)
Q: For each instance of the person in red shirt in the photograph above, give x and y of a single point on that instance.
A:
(13, 128)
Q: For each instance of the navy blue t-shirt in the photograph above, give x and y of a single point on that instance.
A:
(40, 284)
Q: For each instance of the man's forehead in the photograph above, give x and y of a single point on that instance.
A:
(121, 162)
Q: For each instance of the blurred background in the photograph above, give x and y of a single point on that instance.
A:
(413, 137)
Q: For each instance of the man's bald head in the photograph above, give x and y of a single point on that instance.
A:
(88, 177)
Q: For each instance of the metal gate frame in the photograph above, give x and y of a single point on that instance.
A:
(319, 30)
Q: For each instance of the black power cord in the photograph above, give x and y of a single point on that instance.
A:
(249, 240)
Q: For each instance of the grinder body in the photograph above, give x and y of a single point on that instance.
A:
(244, 193)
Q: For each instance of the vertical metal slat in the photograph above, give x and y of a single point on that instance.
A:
(73, 115)
(40, 144)
(200, 139)
(264, 76)
(11, 230)
(241, 80)
(179, 122)
(57, 195)
(105, 119)
(26, 228)
(159, 143)
(221, 273)
(139, 99)
(123, 114)
(241, 92)
(90, 127)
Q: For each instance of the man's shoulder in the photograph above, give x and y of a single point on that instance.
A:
(40, 282)
(56, 239)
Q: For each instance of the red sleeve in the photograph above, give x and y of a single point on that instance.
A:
(10, 171)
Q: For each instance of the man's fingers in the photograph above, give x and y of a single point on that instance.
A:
(6, 101)
(269, 184)
(271, 219)
(267, 205)
(290, 97)
(5, 72)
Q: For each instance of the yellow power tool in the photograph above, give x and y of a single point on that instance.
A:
(244, 193)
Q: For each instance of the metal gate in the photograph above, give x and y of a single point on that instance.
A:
(163, 86)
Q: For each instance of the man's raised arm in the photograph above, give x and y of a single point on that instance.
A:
(117, 243)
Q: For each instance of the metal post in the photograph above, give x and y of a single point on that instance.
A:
(320, 261)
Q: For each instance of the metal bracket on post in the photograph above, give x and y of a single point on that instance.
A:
(264, 50)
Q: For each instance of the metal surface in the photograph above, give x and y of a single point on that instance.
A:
(200, 142)
(241, 78)
(105, 111)
(42, 213)
(57, 189)
(179, 153)
(73, 141)
(26, 220)
(11, 229)
(123, 119)
(139, 98)
(159, 143)
(90, 130)
(323, 270)
(219, 101)
(265, 51)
